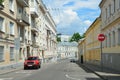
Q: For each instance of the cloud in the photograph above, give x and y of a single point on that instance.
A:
(73, 16)
(88, 22)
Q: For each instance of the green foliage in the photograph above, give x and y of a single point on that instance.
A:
(1, 1)
(76, 37)
(58, 39)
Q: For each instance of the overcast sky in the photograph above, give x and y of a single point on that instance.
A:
(73, 16)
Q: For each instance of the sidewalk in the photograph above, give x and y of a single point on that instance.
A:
(104, 73)
(10, 68)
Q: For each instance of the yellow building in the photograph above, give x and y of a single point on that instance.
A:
(110, 18)
(92, 50)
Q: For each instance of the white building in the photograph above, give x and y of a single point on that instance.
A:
(67, 50)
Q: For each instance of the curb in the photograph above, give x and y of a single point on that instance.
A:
(9, 71)
(95, 72)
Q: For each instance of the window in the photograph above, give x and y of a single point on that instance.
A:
(20, 54)
(1, 53)
(11, 53)
(113, 43)
(11, 5)
(114, 5)
(109, 40)
(2, 27)
(118, 36)
(110, 10)
(106, 13)
(119, 3)
(11, 28)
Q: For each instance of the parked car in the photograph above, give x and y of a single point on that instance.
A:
(32, 62)
(73, 60)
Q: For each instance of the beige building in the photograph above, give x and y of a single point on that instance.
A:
(13, 20)
(25, 26)
(81, 50)
(89, 47)
(110, 16)
(92, 53)
(109, 25)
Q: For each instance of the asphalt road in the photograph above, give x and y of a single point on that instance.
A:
(62, 70)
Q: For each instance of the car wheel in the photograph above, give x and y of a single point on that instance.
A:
(39, 66)
(25, 68)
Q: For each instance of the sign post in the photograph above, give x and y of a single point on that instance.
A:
(101, 38)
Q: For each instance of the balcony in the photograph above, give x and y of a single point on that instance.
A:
(23, 3)
(23, 19)
(34, 9)
(34, 12)
(34, 29)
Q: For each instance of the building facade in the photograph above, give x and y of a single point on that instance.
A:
(92, 52)
(89, 47)
(67, 50)
(110, 16)
(109, 24)
(24, 29)
(81, 50)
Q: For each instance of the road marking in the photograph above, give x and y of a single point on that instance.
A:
(24, 72)
(6, 78)
(67, 76)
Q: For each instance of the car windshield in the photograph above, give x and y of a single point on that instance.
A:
(32, 58)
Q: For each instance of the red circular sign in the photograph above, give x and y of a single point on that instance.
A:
(101, 37)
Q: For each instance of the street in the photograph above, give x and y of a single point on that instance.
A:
(62, 70)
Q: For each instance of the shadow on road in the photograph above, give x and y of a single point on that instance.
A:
(93, 79)
(83, 67)
(105, 73)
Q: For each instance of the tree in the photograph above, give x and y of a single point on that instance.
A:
(1, 1)
(58, 38)
(76, 37)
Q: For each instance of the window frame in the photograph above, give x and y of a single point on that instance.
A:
(2, 26)
(12, 53)
(2, 55)
(12, 31)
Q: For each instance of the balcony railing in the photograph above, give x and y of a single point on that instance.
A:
(23, 3)
(23, 19)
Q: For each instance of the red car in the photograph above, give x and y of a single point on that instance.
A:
(32, 62)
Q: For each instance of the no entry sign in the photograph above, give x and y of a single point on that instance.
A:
(101, 37)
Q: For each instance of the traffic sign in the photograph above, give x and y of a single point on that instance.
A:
(101, 37)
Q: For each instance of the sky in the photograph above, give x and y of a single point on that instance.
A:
(73, 16)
